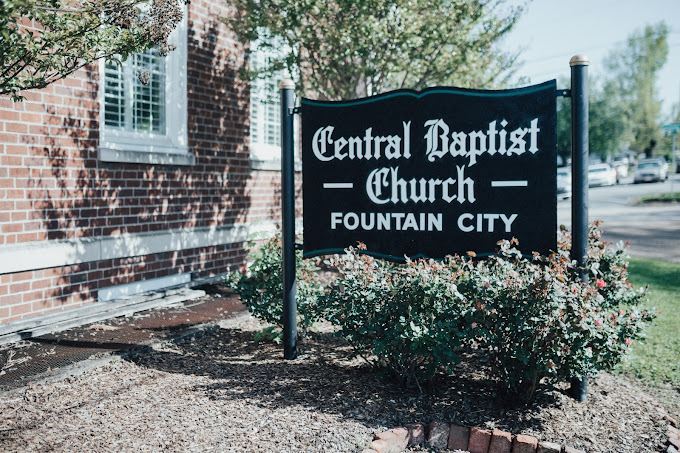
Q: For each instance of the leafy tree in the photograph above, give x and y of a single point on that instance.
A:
(563, 128)
(342, 49)
(666, 145)
(608, 125)
(635, 69)
(42, 41)
(624, 109)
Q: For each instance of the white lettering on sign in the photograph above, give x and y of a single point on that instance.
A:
(386, 188)
(338, 185)
(518, 183)
(484, 223)
(326, 148)
(384, 185)
(440, 141)
(396, 221)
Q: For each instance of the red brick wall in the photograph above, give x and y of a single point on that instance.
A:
(44, 143)
(53, 187)
(42, 291)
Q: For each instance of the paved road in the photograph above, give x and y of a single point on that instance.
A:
(652, 231)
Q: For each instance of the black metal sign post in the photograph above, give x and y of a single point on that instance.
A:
(286, 88)
(579, 174)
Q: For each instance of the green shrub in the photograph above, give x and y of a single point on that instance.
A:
(610, 317)
(260, 287)
(408, 320)
(538, 322)
(535, 318)
(520, 319)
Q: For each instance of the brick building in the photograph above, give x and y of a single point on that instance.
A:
(109, 187)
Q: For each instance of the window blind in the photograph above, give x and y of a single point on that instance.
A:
(130, 104)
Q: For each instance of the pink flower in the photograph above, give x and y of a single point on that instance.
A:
(598, 322)
(628, 341)
(600, 283)
(486, 284)
(474, 324)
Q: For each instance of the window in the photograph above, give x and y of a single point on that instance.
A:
(265, 111)
(265, 117)
(129, 104)
(143, 107)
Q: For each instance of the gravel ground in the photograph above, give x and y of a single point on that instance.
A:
(224, 392)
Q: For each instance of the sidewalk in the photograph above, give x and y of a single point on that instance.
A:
(58, 354)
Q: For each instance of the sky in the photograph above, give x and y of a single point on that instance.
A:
(550, 32)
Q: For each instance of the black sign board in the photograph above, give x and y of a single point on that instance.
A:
(433, 173)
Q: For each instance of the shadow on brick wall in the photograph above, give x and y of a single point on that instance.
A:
(77, 196)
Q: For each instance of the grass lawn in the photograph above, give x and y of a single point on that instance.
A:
(659, 198)
(656, 361)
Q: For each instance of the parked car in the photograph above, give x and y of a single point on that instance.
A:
(621, 167)
(563, 183)
(650, 170)
(661, 160)
(601, 175)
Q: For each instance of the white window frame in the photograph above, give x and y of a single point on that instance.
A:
(171, 148)
(265, 156)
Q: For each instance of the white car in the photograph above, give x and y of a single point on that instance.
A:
(621, 167)
(563, 183)
(650, 171)
(601, 175)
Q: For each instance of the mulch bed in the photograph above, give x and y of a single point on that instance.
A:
(224, 391)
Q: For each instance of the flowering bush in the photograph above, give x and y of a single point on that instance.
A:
(609, 318)
(409, 320)
(608, 269)
(539, 322)
(260, 287)
(520, 308)
(533, 315)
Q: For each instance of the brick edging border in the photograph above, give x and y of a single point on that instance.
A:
(442, 436)
(672, 434)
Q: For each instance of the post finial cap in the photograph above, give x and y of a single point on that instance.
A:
(286, 84)
(579, 60)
